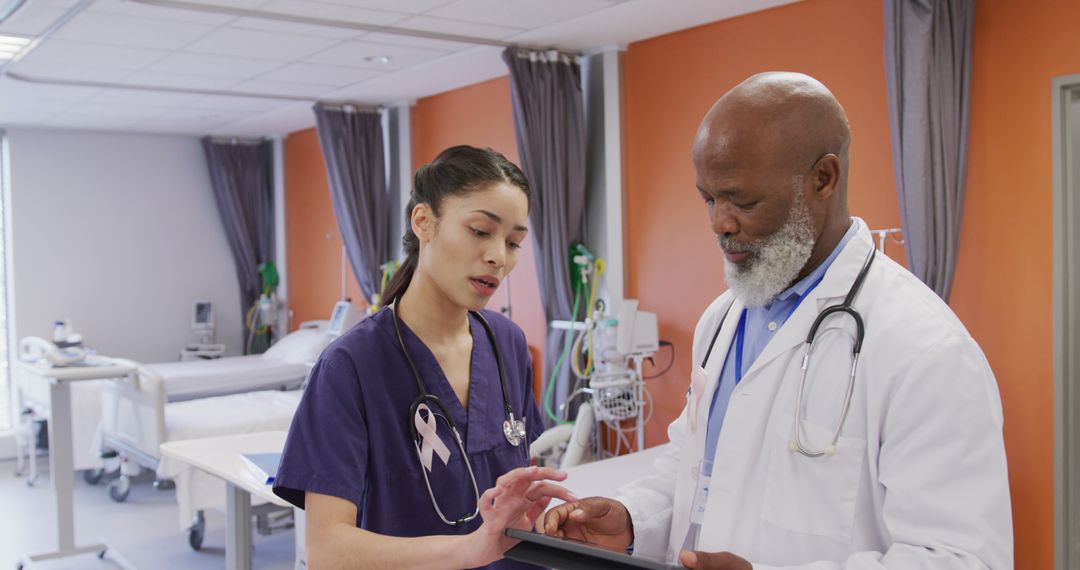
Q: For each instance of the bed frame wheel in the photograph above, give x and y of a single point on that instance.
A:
(120, 488)
(93, 476)
(197, 532)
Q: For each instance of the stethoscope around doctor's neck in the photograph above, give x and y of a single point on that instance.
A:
(424, 430)
(844, 308)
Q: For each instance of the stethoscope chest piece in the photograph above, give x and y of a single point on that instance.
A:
(514, 430)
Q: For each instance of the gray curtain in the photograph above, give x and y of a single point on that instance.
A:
(928, 67)
(352, 147)
(242, 176)
(549, 126)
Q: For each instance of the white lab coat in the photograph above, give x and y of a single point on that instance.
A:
(919, 477)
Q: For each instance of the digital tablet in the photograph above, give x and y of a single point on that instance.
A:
(567, 554)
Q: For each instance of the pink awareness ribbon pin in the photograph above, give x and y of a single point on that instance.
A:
(430, 440)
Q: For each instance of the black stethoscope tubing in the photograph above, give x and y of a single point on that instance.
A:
(422, 389)
(845, 307)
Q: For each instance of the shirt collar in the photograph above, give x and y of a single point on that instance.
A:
(806, 283)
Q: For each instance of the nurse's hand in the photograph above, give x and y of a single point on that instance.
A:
(598, 520)
(516, 501)
(713, 561)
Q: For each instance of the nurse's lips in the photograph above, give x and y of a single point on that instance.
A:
(485, 284)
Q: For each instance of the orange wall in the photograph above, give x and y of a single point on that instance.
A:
(313, 243)
(480, 115)
(1004, 261)
(1004, 281)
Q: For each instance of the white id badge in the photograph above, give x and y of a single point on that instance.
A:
(701, 494)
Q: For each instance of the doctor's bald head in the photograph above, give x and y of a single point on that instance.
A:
(771, 158)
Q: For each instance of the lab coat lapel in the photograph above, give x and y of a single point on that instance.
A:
(833, 288)
(710, 375)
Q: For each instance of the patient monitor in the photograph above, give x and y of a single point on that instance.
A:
(637, 333)
(344, 316)
(202, 321)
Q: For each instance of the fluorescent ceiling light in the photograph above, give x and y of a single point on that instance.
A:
(6, 55)
(13, 40)
(10, 49)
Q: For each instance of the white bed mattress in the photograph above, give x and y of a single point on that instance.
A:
(202, 378)
(250, 412)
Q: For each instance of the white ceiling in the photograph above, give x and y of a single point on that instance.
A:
(119, 42)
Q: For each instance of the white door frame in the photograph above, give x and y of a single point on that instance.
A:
(1066, 266)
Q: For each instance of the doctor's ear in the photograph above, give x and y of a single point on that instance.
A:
(825, 175)
(423, 222)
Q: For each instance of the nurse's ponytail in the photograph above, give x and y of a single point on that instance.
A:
(457, 170)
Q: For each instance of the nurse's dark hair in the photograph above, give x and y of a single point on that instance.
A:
(457, 170)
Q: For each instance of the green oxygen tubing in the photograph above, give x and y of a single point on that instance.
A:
(582, 263)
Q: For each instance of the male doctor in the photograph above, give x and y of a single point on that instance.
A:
(768, 469)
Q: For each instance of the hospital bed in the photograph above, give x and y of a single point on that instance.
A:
(167, 402)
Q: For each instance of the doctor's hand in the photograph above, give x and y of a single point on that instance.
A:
(713, 561)
(598, 520)
(516, 501)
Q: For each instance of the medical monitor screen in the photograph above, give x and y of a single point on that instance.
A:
(337, 318)
(204, 314)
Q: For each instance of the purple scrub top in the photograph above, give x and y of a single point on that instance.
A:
(350, 436)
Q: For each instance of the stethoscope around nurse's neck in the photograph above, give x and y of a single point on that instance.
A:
(845, 308)
(424, 430)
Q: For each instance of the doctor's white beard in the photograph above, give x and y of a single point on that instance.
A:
(775, 262)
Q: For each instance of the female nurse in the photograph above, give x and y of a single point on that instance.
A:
(371, 455)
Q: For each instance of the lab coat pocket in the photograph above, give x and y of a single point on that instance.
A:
(812, 495)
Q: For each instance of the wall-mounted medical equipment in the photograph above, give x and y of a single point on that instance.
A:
(202, 322)
(264, 316)
(343, 317)
(605, 351)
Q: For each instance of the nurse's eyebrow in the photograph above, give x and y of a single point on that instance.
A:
(499, 220)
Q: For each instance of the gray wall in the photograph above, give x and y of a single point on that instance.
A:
(119, 233)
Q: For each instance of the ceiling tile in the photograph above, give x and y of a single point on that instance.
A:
(51, 70)
(527, 14)
(242, 4)
(353, 54)
(279, 88)
(134, 9)
(225, 104)
(235, 68)
(264, 45)
(15, 90)
(336, 12)
(176, 126)
(410, 6)
(84, 121)
(207, 115)
(128, 31)
(151, 78)
(84, 53)
(410, 41)
(139, 97)
(286, 119)
(460, 27)
(313, 74)
(109, 110)
(25, 112)
(32, 19)
(293, 28)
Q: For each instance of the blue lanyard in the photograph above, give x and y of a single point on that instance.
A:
(740, 332)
